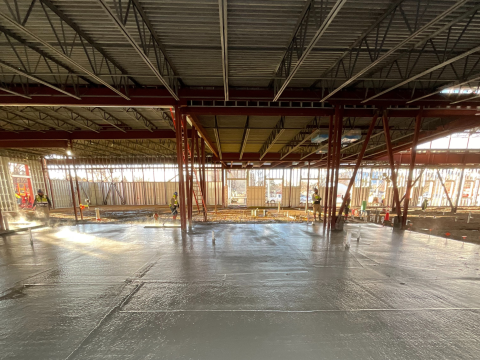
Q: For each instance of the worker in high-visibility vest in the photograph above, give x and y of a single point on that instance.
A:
(174, 205)
(42, 204)
(316, 199)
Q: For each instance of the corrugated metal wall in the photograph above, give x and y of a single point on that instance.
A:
(7, 193)
(255, 195)
(117, 193)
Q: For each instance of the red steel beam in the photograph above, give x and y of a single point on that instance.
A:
(457, 125)
(63, 144)
(289, 111)
(196, 123)
(90, 135)
(437, 158)
(154, 97)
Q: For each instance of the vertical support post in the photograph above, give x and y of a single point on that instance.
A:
(204, 182)
(76, 182)
(2, 227)
(290, 191)
(42, 163)
(192, 164)
(460, 188)
(181, 185)
(165, 182)
(187, 174)
(154, 182)
(359, 161)
(336, 162)
(388, 140)
(413, 152)
(143, 183)
(326, 202)
(308, 189)
(223, 187)
(204, 179)
(72, 191)
(215, 182)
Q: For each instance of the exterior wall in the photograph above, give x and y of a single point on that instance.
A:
(159, 193)
(7, 193)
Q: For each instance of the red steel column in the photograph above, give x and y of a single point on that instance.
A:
(76, 183)
(327, 181)
(202, 159)
(215, 182)
(413, 152)
(187, 182)
(181, 185)
(359, 161)
(192, 163)
(223, 187)
(388, 140)
(308, 187)
(71, 189)
(290, 191)
(204, 179)
(338, 125)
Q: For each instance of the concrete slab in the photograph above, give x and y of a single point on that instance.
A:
(271, 291)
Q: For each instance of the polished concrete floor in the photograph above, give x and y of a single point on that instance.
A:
(276, 291)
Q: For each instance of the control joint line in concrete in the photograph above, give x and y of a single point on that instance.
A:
(299, 311)
(20, 283)
(116, 308)
(112, 311)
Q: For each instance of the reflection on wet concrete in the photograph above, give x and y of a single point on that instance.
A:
(272, 291)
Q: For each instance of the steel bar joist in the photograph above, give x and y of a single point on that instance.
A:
(7, 87)
(163, 147)
(42, 115)
(166, 118)
(222, 11)
(346, 63)
(402, 59)
(306, 134)
(63, 51)
(273, 137)
(72, 117)
(133, 23)
(101, 114)
(139, 117)
(285, 72)
(28, 117)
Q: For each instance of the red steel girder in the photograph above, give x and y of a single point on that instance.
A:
(240, 100)
(90, 135)
(437, 158)
(34, 144)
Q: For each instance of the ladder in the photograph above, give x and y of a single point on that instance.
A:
(196, 188)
